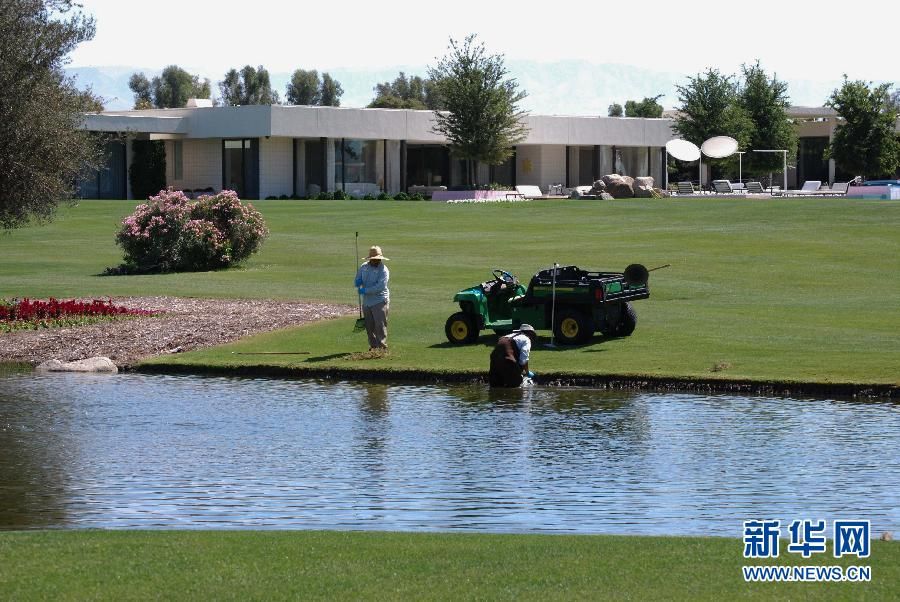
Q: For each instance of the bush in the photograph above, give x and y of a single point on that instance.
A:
(401, 196)
(384, 197)
(368, 197)
(171, 233)
(417, 197)
(325, 196)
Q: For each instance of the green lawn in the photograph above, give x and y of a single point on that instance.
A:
(802, 290)
(142, 565)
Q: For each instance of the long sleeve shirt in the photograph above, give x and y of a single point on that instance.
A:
(375, 280)
(524, 344)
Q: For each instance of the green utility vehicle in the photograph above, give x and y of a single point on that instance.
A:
(573, 301)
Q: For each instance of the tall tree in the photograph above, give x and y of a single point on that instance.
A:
(709, 107)
(615, 110)
(304, 88)
(865, 139)
(766, 102)
(406, 93)
(249, 86)
(42, 146)
(482, 121)
(173, 88)
(645, 108)
(140, 86)
(169, 90)
(330, 92)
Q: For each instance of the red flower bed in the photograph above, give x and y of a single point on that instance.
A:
(28, 310)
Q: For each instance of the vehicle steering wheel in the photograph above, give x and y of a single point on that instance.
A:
(503, 276)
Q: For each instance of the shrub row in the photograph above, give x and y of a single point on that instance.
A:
(339, 195)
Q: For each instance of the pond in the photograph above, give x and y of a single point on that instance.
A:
(142, 451)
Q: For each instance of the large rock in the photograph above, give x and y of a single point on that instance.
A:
(598, 188)
(643, 187)
(91, 364)
(619, 186)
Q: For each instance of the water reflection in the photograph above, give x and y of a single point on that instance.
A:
(185, 452)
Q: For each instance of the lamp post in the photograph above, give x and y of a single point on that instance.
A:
(784, 189)
(740, 155)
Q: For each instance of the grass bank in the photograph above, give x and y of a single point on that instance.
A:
(780, 290)
(140, 565)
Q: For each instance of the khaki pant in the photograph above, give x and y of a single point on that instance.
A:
(376, 325)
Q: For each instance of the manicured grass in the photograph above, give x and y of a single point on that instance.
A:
(799, 290)
(141, 565)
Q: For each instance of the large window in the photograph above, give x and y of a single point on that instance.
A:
(314, 166)
(108, 182)
(240, 167)
(588, 163)
(427, 165)
(632, 161)
(811, 163)
(356, 166)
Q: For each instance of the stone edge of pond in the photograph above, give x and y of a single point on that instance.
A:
(612, 382)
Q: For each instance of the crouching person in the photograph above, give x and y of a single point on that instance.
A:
(509, 359)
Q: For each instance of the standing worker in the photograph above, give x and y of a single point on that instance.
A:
(372, 283)
(509, 359)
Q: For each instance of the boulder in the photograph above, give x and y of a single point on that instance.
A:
(607, 197)
(598, 188)
(619, 186)
(91, 364)
(643, 187)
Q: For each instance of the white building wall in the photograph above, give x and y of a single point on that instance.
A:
(201, 161)
(393, 167)
(553, 165)
(276, 169)
(541, 165)
(528, 165)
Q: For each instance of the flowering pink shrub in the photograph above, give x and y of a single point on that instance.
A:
(171, 233)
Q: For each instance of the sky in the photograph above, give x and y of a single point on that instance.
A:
(796, 40)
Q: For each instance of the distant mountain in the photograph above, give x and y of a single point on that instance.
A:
(554, 88)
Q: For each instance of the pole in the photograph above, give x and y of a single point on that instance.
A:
(553, 308)
(700, 175)
(666, 169)
(784, 188)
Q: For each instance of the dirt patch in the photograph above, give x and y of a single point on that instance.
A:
(182, 325)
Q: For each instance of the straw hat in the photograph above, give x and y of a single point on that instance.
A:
(527, 330)
(375, 253)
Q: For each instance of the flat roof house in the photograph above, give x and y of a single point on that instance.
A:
(263, 151)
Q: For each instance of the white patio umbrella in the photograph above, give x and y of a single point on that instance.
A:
(719, 147)
(681, 150)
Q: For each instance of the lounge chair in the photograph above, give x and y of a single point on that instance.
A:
(837, 189)
(722, 187)
(755, 188)
(810, 187)
(685, 188)
(530, 192)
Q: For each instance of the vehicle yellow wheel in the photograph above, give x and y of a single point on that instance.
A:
(460, 329)
(573, 327)
(569, 328)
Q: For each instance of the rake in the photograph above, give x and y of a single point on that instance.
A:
(361, 321)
